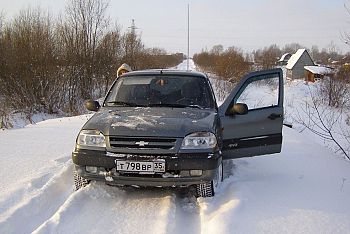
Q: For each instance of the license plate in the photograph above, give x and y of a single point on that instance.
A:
(134, 166)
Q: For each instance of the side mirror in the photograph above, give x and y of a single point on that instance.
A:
(92, 105)
(239, 109)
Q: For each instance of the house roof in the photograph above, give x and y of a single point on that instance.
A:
(295, 57)
(319, 70)
(283, 57)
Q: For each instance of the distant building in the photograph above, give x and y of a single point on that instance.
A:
(283, 61)
(314, 73)
(297, 62)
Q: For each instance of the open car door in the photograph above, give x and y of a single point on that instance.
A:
(252, 116)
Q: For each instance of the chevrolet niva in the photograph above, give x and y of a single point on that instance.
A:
(164, 128)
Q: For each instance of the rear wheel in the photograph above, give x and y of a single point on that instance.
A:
(79, 181)
(208, 189)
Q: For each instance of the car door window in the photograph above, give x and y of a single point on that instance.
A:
(260, 92)
(258, 131)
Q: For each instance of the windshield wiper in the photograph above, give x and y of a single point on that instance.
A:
(123, 103)
(175, 105)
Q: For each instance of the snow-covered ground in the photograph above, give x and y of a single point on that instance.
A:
(304, 189)
(20, 119)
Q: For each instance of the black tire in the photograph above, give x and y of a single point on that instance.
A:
(79, 181)
(208, 189)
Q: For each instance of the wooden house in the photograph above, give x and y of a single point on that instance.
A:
(283, 61)
(314, 73)
(296, 63)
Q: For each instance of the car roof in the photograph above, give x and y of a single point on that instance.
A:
(165, 72)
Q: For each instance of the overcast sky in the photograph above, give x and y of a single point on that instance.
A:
(249, 24)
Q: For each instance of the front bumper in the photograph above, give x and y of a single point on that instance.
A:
(177, 168)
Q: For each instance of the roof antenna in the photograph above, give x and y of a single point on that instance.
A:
(188, 36)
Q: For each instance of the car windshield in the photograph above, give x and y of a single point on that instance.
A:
(162, 91)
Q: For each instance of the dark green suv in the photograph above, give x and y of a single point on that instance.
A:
(164, 128)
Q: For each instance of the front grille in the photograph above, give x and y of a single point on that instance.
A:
(142, 143)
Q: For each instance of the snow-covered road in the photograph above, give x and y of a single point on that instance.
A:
(304, 189)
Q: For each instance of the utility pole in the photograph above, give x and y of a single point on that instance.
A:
(133, 27)
(131, 41)
(188, 37)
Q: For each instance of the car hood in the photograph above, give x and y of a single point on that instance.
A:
(162, 122)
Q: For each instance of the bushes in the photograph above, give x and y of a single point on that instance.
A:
(229, 64)
(50, 65)
(28, 69)
(335, 90)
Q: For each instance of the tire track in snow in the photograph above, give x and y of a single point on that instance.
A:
(30, 187)
(41, 205)
(206, 215)
(10, 203)
(187, 213)
(99, 207)
(217, 212)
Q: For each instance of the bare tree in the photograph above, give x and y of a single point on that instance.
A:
(217, 49)
(325, 123)
(345, 36)
(267, 57)
(230, 64)
(132, 49)
(335, 90)
(29, 71)
(205, 60)
(109, 57)
(85, 25)
(53, 65)
(292, 48)
(1, 42)
(2, 18)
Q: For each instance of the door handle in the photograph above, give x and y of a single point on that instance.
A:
(274, 116)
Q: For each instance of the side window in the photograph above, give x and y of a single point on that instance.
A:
(259, 92)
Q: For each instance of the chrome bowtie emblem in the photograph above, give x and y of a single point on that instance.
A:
(141, 143)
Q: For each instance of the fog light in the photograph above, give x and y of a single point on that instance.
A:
(91, 169)
(196, 172)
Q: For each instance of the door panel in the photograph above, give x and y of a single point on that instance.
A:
(259, 131)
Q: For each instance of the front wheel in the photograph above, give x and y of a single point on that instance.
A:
(208, 189)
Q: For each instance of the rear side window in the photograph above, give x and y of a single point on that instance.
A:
(157, 90)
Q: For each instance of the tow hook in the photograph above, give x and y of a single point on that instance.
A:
(108, 176)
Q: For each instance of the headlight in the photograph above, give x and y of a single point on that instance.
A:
(92, 138)
(199, 140)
